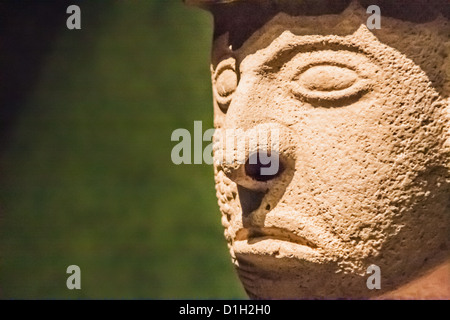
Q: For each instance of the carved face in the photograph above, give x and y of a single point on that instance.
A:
(364, 169)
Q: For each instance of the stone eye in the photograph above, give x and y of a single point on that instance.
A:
(225, 82)
(327, 78)
(330, 85)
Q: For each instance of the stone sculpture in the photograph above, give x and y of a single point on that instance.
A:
(363, 117)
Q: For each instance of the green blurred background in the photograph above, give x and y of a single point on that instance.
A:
(86, 176)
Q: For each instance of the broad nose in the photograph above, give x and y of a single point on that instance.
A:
(261, 162)
(256, 158)
(263, 165)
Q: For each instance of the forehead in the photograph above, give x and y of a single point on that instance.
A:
(427, 44)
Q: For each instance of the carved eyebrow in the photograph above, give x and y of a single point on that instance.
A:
(277, 60)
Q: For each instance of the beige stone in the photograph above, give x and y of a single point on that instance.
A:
(364, 144)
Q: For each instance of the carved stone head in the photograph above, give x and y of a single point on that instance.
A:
(362, 122)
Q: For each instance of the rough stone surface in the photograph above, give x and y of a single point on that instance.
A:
(363, 117)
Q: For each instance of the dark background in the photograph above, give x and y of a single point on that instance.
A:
(86, 176)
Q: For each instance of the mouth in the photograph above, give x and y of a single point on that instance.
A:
(255, 235)
(254, 244)
(279, 243)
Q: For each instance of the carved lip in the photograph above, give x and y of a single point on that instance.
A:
(254, 235)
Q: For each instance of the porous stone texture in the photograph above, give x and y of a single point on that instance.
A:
(363, 117)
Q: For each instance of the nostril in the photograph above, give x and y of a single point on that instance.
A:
(263, 166)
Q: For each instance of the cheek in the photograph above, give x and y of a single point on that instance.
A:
(346, 167)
